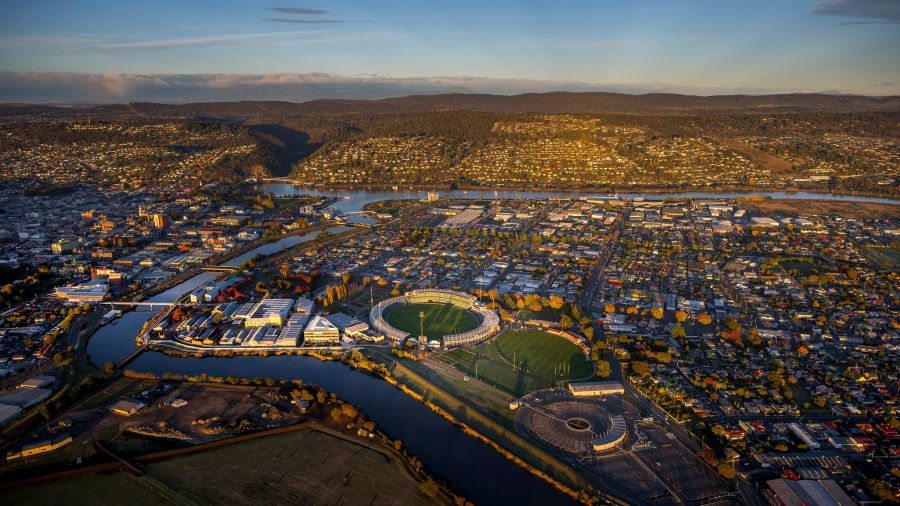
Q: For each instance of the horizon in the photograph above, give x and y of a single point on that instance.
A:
(105, 52)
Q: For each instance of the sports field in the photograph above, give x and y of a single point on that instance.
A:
(541, 360)
(440, 319)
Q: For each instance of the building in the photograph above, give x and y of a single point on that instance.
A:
(596, 388)
(127, 407)
(92, 291)
(781, 492)
(63, 246)
(320, 331)
(161, 221)
(8, 412)
(40, 381)
(45, 445)
(25, 397)
(269, 312)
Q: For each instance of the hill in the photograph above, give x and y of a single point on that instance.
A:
(555, 102)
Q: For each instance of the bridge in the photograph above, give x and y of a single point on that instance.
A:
(142, 303)
(221, 268)
(276, 180)
(22, 330)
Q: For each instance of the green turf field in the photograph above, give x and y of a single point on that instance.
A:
(541, 359)
(440, 319)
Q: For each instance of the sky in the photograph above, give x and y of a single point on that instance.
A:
(115, 51)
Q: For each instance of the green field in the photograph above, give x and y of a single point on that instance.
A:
(541, 360)
(302, 467)
(440, 319)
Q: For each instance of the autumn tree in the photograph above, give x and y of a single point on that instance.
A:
(704, 318)
(604, 370)
(657, 313)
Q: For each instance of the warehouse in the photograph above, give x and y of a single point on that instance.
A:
(596, 388)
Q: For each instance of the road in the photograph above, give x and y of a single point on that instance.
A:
(590, 288)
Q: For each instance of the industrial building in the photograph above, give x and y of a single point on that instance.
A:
(781, 492)
(269, 312)
(596, 388)
(127, 407)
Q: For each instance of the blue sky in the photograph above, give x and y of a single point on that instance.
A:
(126, 50)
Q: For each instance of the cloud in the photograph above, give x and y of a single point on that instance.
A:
(882, 11)
(581, 44)
(295, 10)
(68, 87)
(191, 41)
(305, 21)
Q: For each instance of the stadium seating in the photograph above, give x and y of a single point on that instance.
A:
(490, 322)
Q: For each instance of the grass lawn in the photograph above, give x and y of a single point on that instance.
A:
(541, 360)
(304, 467)
(440, 319)
(97, 488)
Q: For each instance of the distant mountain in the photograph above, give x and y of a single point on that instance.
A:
(555, 102)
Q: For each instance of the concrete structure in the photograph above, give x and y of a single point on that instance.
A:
(596, 388)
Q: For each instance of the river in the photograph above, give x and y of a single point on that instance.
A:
(354, 200)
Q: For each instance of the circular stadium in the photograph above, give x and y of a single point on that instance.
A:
(450, 317)
(574, 425)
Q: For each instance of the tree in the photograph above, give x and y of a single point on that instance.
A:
(680, 316)
(44, 412)
(556, 302)
(604, 370)
(727, 471)
(565, 321)
(429, 488)
(678, 331)
(610, 308)
(704, 318)
(657, 313)
(641, 368)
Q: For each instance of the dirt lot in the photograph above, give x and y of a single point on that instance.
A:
(210, 412)
(866, 210)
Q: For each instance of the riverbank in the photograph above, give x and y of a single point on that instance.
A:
(332, 188)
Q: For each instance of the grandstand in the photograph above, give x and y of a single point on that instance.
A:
(579, 426)
(490, 322)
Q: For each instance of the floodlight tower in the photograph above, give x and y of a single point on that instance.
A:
(421, 327)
